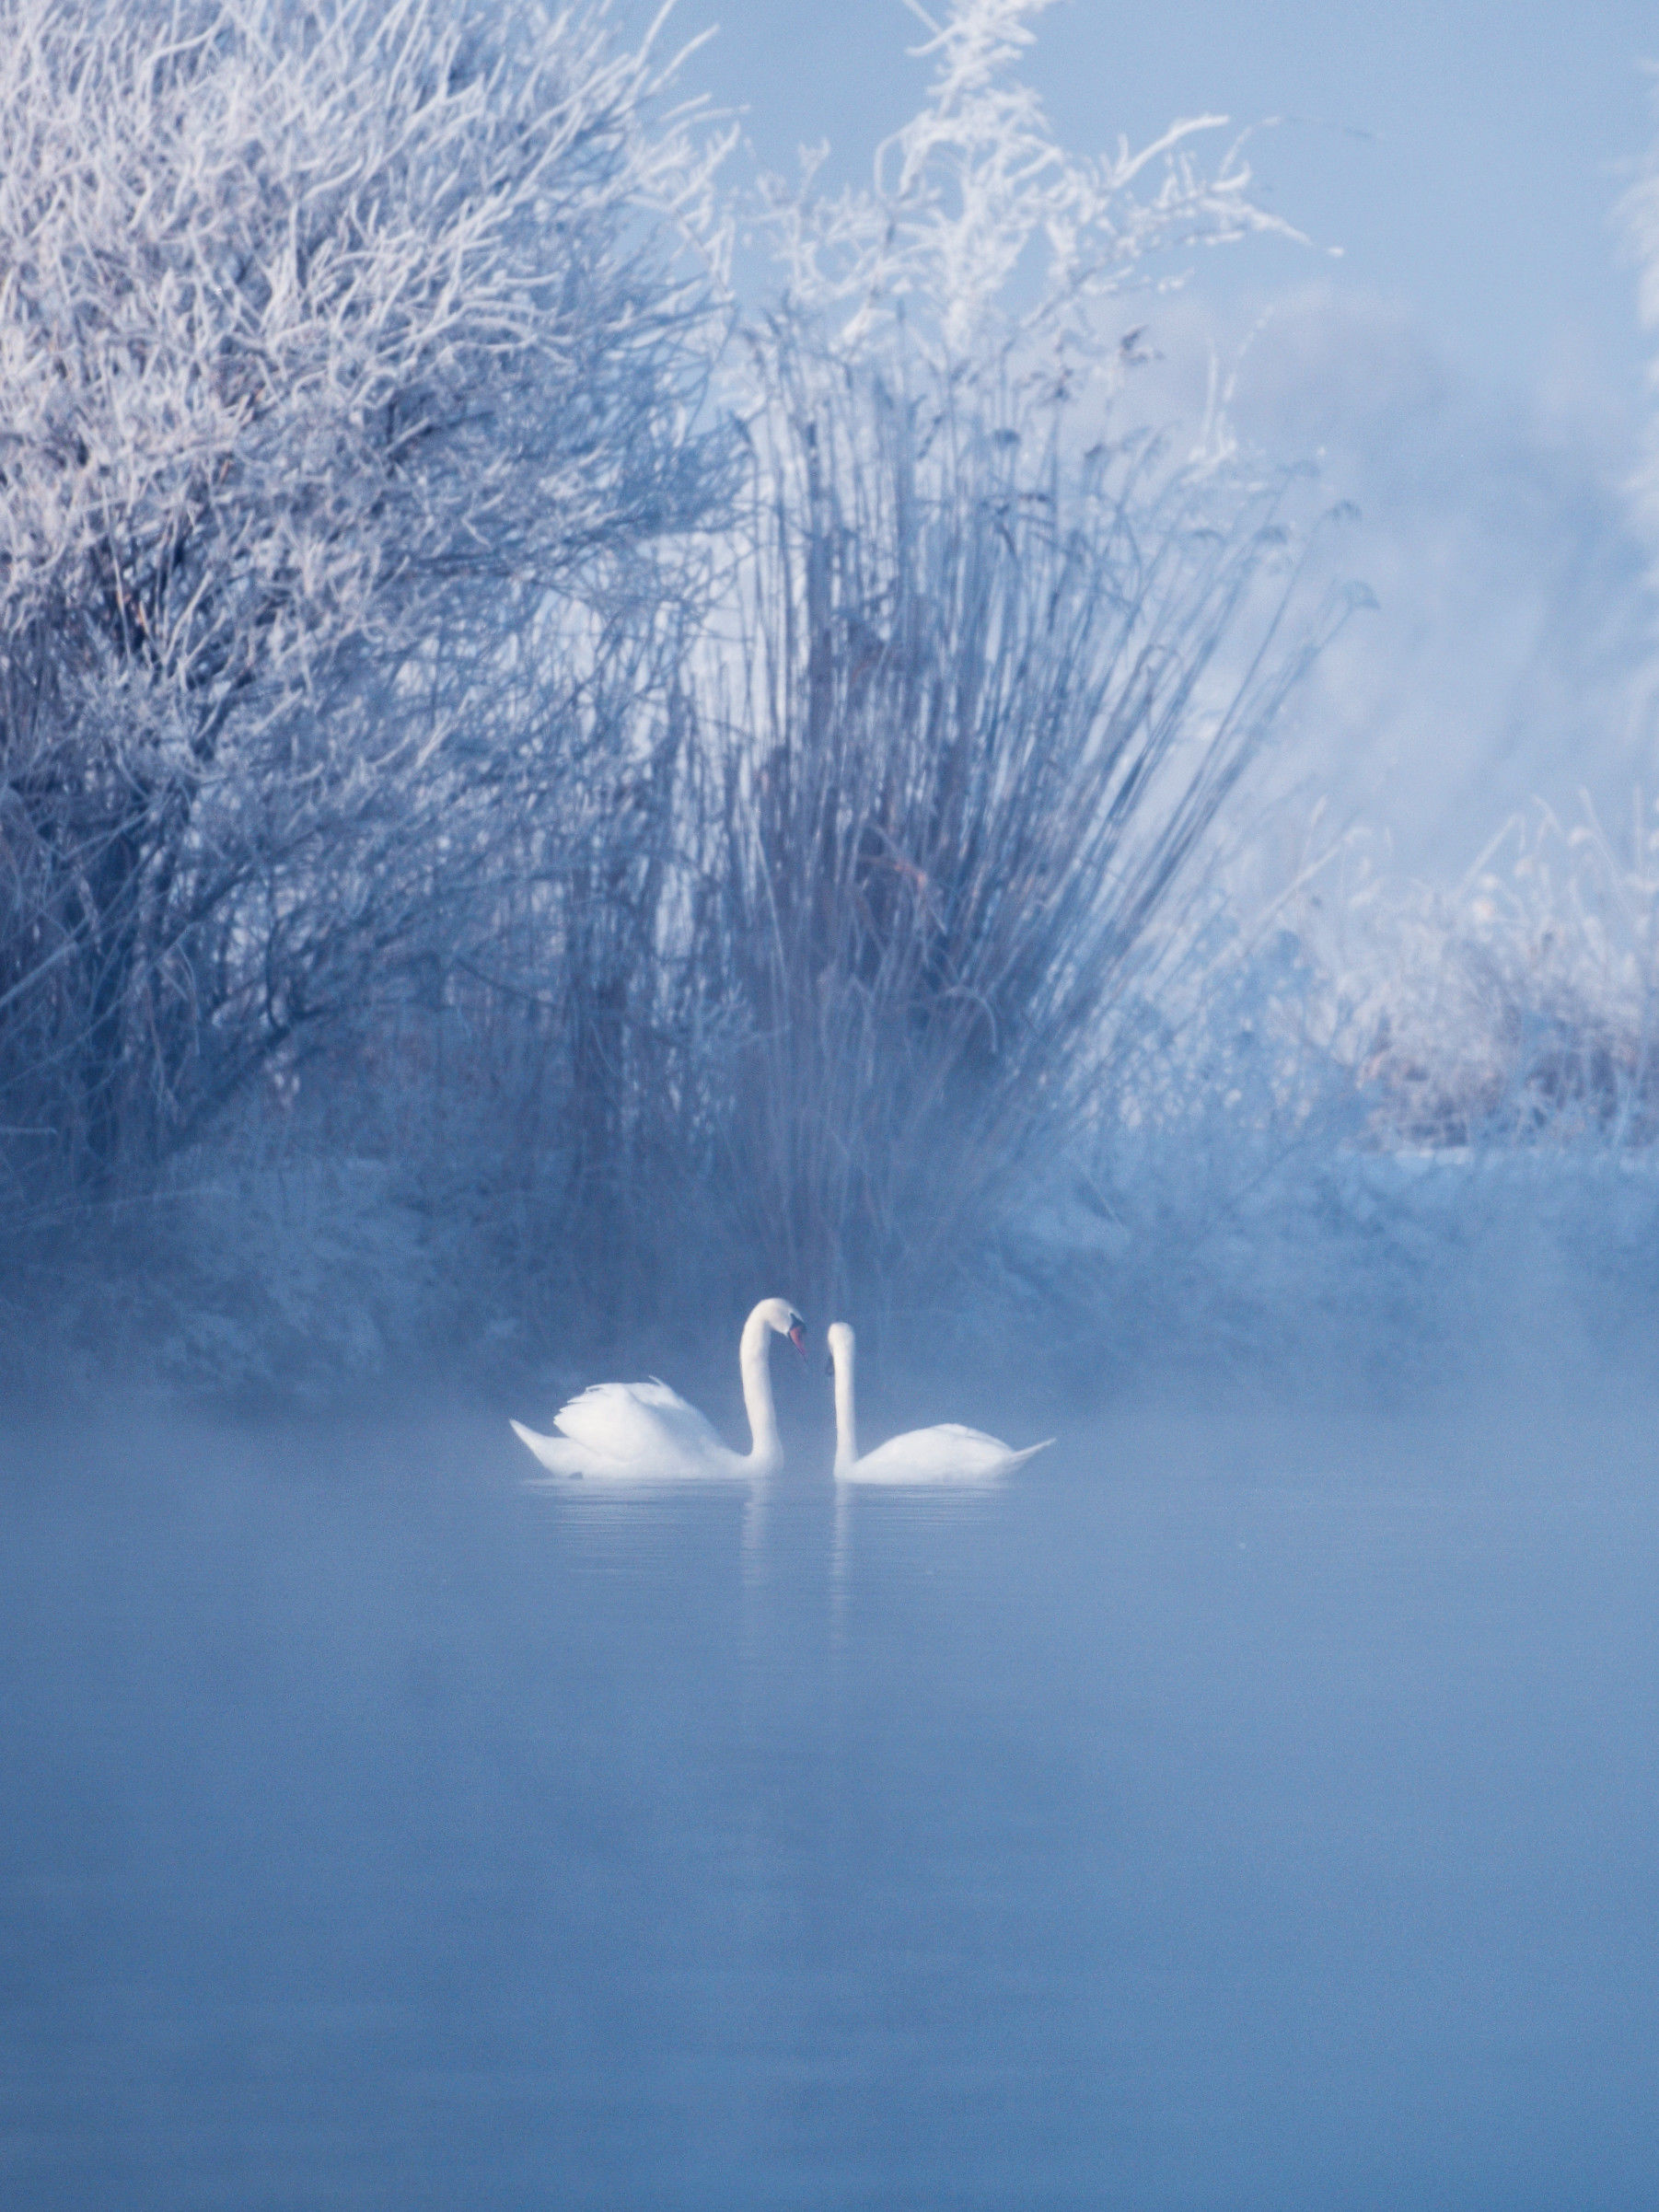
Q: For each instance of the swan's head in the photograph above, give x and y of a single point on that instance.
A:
(779, 1315)
(840, 1345)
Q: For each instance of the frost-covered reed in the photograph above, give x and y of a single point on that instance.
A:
(981, 707)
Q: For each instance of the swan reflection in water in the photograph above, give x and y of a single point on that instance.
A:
(623, 1509)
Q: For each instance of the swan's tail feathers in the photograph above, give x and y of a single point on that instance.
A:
(1030, 1451)
(557, 1454)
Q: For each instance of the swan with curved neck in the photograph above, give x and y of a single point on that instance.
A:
(946, 1453)
(645, 1430)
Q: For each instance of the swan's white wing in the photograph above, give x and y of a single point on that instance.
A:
(949, 1452)
(640, 1425)
(675, 1412)
(557, 1454)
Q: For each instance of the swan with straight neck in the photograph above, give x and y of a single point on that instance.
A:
(946, 1454)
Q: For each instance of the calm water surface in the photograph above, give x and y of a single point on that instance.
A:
(1224, 1816)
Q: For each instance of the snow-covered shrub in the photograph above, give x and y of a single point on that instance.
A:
(984, 244)
(1520, 1006)
(342, 344)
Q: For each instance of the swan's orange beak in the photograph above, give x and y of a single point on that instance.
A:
(797, 1337)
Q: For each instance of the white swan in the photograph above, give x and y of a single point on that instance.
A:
(946, 1454)
(646, 1429)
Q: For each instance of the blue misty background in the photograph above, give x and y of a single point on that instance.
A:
(1471, 368)
(1464, 161)
(1249, 1806)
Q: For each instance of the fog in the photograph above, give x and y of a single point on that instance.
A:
(1235, 1810)
(989, 741)
(1455, 338)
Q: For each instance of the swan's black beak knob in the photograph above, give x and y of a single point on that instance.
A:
(797, 1337)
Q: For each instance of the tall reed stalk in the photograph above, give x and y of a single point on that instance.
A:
(982, 702)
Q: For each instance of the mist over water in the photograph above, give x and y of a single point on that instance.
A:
(1235, 1809)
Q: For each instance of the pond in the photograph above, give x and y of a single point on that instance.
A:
(1230, 1811)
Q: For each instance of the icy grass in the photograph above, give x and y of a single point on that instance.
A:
(1517, 1007)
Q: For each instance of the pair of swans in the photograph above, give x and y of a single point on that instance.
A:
(645, 1430)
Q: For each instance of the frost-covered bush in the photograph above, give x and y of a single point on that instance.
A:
(1520, 1006)
(1245, 1213)
(343, 343)
(986, 245)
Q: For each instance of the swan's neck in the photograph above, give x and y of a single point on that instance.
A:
(846, 1417)
(753, 1357)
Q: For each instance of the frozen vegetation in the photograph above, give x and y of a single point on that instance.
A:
(550, 788)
